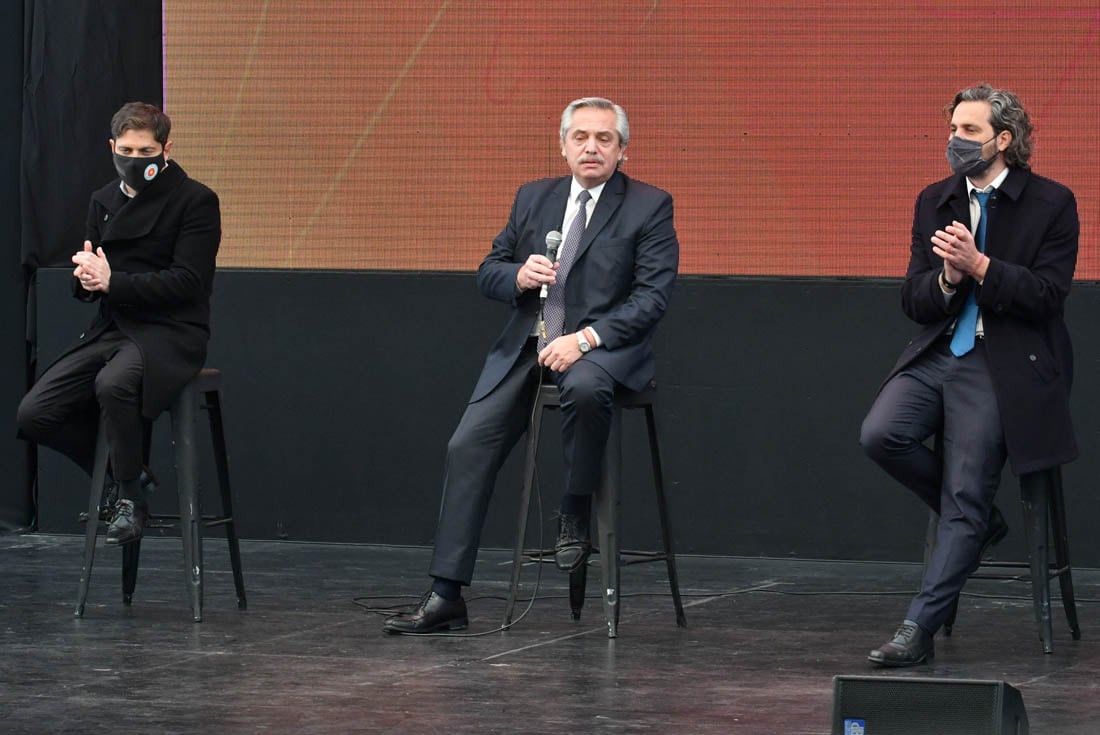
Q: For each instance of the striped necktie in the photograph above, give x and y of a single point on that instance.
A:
(554, 310)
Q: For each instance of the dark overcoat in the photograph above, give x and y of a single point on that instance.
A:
(1031, 241)
(161, 246)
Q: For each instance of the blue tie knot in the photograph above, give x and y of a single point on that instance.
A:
(983, 197)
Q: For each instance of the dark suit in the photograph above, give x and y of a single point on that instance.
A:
(620, 284)
(161, 246)
(1009, 397)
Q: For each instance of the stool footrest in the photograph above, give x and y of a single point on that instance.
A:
(172, 521)
(606, 503)
(1052, 573)
(203, 393)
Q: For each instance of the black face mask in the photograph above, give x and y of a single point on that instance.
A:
(139, 172)
(965, 156)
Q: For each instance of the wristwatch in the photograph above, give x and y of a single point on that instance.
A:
(583, 343)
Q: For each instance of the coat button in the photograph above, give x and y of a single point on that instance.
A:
(1033, 358)
(105, 217)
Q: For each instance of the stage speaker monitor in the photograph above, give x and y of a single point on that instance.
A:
(884, 705)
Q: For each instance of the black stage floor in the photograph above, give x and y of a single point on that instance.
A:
(765, 639)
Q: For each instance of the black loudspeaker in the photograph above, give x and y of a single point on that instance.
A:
(882, 705)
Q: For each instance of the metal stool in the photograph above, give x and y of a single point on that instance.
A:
(1044, 520)
(206, 386)
(607, 499)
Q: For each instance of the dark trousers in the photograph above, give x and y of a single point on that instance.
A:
(489, 429)
(62, 409)
(952, 395)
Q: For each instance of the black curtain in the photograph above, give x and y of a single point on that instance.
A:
(83, 61)
(77, 62)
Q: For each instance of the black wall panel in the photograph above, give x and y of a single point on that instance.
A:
(341, 390)
(15, 496)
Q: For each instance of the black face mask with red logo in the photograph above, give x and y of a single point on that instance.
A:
(138, 172)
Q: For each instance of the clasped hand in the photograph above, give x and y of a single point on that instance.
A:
(92, 269)
(960, 253)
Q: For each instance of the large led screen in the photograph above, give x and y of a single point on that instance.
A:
(794, 136)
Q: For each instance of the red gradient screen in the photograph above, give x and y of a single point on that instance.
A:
(794, 136)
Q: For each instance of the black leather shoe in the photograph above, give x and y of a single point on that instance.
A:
(995, 532)
(106, 502)
(573, 546)
(110, 495)
(432, 614)
(910, 646)
(128, 523)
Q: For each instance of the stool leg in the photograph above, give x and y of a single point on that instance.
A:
(221, 462)
(183, 440)
(1061, 551)
(662, 510)
(524, 508)
(131, 555)
(95, 497)
(578, 586)
(607, 511)
(1034, 494)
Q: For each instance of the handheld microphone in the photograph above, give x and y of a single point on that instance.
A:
(553, 242)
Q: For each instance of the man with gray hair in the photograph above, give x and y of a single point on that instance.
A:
(584, 321)
(993, 252)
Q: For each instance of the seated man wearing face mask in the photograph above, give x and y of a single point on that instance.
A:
(151, 240)
(992, 256)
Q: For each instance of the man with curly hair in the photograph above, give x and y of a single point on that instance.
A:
(993, 252)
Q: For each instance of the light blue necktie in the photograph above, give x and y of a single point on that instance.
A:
(963, 339)
(554, 310)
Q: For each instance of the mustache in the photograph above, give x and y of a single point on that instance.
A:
(591, 159)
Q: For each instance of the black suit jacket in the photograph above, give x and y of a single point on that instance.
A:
(161, 246)
(620, 282)
(1031, 240)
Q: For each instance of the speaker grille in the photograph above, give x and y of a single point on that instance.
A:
(919, 706)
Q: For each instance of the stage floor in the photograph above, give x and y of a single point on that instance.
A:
(764, 640)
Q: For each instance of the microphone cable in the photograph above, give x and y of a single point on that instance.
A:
(538, 576)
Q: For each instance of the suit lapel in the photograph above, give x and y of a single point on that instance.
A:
(137, 216)
(957, 201)
(1003, 212)
(610, 201)
(552, 214)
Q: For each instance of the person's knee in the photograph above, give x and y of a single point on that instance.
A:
(30, 419)
(114, 389)
(875, 438)
(588, 392)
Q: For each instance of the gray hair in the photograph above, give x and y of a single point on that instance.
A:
(621, 124)
(1006, 113)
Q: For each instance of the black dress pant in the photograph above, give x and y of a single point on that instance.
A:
(488, 431)
(952, 395)
(62, 409)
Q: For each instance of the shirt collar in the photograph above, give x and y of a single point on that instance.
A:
(575, 188)
(995, 184)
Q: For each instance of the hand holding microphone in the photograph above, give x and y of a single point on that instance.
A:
(553, 242)
(538, 270)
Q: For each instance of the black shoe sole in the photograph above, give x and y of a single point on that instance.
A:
(123, 542)
(575, 565)
(450, 625)
(888, 664)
